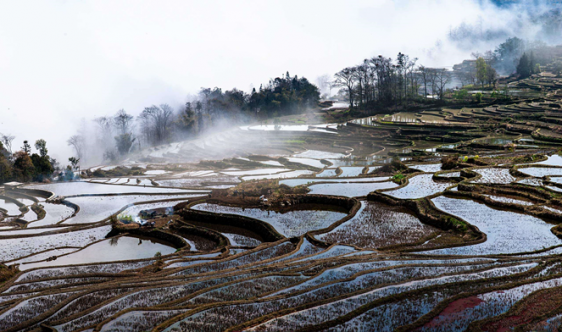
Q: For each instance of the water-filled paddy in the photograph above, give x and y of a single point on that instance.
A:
(378, 225)
(261, 171)
(541, 171)
(16, 248)
(450, 175)
(419, 186)
(430, 168)
(316, 154)
(11, 208)
(504, 199)
(290, 128)
(84, 188)
(290, 223)
(327, 173)
(97, 208)
(494, 175)
(113, 249)
(307, 161)
(507, 232)
(31, 231)
(282, 175)
(531, 181)
(349, 189)
(317, 314)
(554, 160)
(483, 306)
(134, 210)
(54, 213)
(298, 182)
(368, 258)
(351, 171)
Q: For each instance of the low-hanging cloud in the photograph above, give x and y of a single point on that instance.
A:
(62, 62)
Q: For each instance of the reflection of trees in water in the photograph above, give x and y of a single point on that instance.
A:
(113, 241)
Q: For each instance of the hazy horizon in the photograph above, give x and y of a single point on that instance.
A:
(69, 62)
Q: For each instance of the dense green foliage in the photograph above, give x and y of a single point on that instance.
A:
(161, 124)
(23, 166)
(527, 65)
(282, 96)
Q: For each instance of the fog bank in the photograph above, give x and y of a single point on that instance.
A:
(63, 62)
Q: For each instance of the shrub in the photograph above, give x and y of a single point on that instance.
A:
(398, 177)
(478, 97)
(449, 162)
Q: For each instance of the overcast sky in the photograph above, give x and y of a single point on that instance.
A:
(65, 61)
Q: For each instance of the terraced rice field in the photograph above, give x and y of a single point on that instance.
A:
(271, 237)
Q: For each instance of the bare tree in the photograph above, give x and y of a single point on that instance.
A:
(442, 78)
(159, 119)
(423, 76)
(77, 142)
(7, 140)
(122, 121)
(105, 132)
(324, 83)
(345, 78)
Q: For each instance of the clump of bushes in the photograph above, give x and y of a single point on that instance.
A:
(528, 158)
(270, 188)
(449, 162)
(398, 177)
(116, 172)
(6, 273)
(395, 166)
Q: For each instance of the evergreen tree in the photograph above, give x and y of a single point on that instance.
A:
(525, 66)
(23, 167)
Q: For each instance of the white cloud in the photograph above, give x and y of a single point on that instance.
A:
(63, 61)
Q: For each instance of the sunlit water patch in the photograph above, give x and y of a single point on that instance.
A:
(349, 189)
(419, 186)
(283, 175)
(260, 171)
(289, 223)
(113, 249)
(539, 172)
(459, 314)
(351, 171)
(554, 160)
(507, 232)
(308, 162)
(430, 168)
(82, 188)
(15, 248)
(54, 213)
(494, 175)
(317, 154)
(97, 208)
(298, 182)
(327, 173)
(378, 225)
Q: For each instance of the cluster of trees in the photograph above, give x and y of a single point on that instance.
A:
(527, 66)
(283, 95)
(514, 56)
(22, 165)
(114, 135)
(485, 73)
(122, 133)
(476, 72)
(384, 80)
(523, 57)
